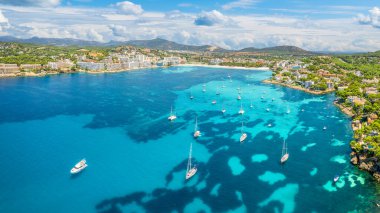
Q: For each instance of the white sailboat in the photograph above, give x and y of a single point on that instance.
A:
(223, 109)
(213, 102)
(190, 171)
(239, 97)
(241, 111)
(79, 167)
(287, 110)
(197, 133)
(204, 88)
(243, 135)
(172, 115)
(217, 91)
(284, 154)
(251, 104)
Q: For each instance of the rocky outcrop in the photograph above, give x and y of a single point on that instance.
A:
(376, 175)
(354, 158)
(366, 163)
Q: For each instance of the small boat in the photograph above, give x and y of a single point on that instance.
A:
(239, 97)
(204, 88)
(284, 154)
(262, 97)
(269, 125)
(223, 110)
(172, 115)
(272, 99)
(302, 110)
(190, 171)
(223, 86)
(197, 133)
(229, 76)
(267, 109)
(288, 111)
(217, 91)
(251, 105)
(325, 127)
(336, 178)
(79, 167)
(213, 102)
(241, 111)
(243, 135)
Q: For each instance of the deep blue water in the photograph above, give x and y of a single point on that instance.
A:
(137, 159)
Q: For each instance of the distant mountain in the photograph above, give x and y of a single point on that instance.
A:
(163, 44)
(283, 50)
(52, 41)
(157, 43)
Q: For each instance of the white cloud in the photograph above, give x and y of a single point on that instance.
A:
(3, 19)
(231, 32)
(239, 4)
(211, 18)
(129, 8)
(372, 19)
(38, 3)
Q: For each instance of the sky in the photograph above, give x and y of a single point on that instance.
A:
(323, 25)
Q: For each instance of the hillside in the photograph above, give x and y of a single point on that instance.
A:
(281, 50)
(163, 44)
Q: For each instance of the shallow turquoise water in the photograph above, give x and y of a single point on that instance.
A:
(137, 159)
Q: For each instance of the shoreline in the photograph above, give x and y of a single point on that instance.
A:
(345, 110)
(268, 81)
(47, 73)
(224, 67)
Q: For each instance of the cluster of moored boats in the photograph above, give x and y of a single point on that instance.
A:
(192, 169)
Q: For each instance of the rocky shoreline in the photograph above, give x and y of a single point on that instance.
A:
(362, 160)
(369, 164)
(314, 92)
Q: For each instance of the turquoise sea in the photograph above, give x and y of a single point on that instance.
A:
(137, 158)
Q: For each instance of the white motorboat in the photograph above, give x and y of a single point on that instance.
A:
(79, 167)
(336, 178)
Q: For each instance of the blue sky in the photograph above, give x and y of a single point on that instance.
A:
(324, 25)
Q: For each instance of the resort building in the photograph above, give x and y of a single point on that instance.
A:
(9, 68)
(30, 67)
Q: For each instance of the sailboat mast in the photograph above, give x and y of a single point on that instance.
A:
(189, 161)
(196, 124)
